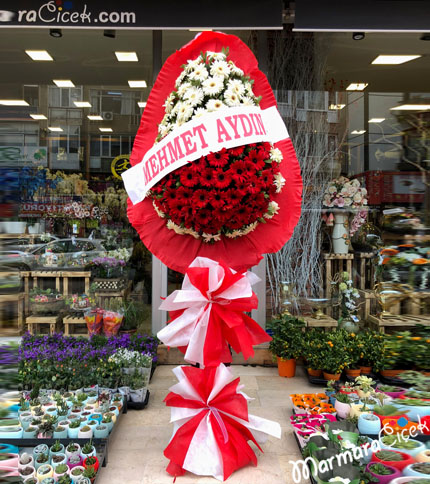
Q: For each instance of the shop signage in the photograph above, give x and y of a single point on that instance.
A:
(119, 165)
(15, 156)
(141, 15)
(363, 16)
(210, 133)
(38, 209)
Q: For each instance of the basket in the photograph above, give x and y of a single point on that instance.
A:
(53, 306)
(113, 285)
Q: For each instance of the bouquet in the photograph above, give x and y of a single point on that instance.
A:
(94, 320)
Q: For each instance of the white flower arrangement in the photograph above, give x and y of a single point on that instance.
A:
(131, 359)
(345, 193)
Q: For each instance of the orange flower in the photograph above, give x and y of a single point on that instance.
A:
(421, 261)
(406, 246)
(389, 252)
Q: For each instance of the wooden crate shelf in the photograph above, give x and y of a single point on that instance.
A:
(364, 270)
(398, 320)
(327, 323)
(18, 299)
(72, 323)
(34, 323)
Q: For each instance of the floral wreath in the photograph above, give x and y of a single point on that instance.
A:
(221, 206)
(228, 192)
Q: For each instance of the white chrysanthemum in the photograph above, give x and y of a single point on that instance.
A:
(220, 68)
(279, 182)
(183, 88)
(199, 112)
(216, 55)
(231, 98)
(213, 85)
(168, 105)
(214, 105)
(194, 96)
(191, 65)
(176, 108)
(163, 130)
(185, 112)
(276, 155)
(332, 189)
(200, 73)
(180, 79)
(247, 101)
(236, 86)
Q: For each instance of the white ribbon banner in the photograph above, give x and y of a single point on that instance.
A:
(227, 128)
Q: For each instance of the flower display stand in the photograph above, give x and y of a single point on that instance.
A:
(364, 270)
(398, 320)
(418, 303)
(66, 275)
(75, 322)
(103, 296)
(34, 323)
(109, 285)
(334, 264)
(327, 323)
(19, 298)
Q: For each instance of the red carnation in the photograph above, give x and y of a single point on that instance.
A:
(188, 177)
(207, 178)
(218, 159)
(222, 179)
(200, 198)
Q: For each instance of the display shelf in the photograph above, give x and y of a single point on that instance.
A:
(327, 322)
(33, 323)
(71, 321)
(398, 320)
(334, 264)
(19, 299)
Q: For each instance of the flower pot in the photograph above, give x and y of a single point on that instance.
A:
(38, 464)
(58, 459)
(365, 370)
(96, 416)
(405, 480)
(369, 425)
(14, 432)
(30, 463)
(10, 460)
(407, 460)
(342, 409)
(85, 434)
(40, 449)
(415, 413)
(57, 476)
(101, 431)
(286, 368)
(385, 479)
(410, 471)
(72, 433)
(353, 373)
(77, 451)
(340, 234)
(391, 373)
(394, 417)
(314, 373)
(109, 425)
(93, 453)
(60, 434)
(71, 461)
(423, 456)
(392, 394)
(75, 478)
(331, 376)
(44, 471)
(53, 452)
(27, 472)
(412, 452)
(30, 433)
(96, 465)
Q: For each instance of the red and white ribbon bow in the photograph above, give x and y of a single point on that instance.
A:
(207, 314)
(212, 426)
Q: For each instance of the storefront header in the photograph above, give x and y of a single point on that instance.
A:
(129, 14)
(362, 16)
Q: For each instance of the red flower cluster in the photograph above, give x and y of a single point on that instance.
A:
(221, 192)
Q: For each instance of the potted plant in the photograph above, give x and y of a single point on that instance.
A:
(76, 472)
(92, 461)
(73, 448)
(419, 469)
(342, 404)
(47, 427)
(90, 473)
(40, 449)
(44, 471)
(40, 460)
(369, 424)
(73, 429)
(397, 442)
(65, 479)
(60, 470)
(384, 411)
(384, 474)
(107, 420)
(287, 342)
(58, 459)
(390, 390)
(311, 352)
(392, 458)
(31, 480)
(75, 460)
(101, 431)
(335, 356)
(88, 450)
(57, 448)
(354, 351)
(27, 472)
(85, 432)
(46, 301)
(25, 460)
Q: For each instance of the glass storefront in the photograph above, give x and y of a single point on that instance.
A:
(63, 201)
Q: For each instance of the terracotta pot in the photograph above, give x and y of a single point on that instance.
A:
(331, 376)
(315, 373)
(353, 373)
(365, 370)
(391, 373)
(286, 368)
(426, 373)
